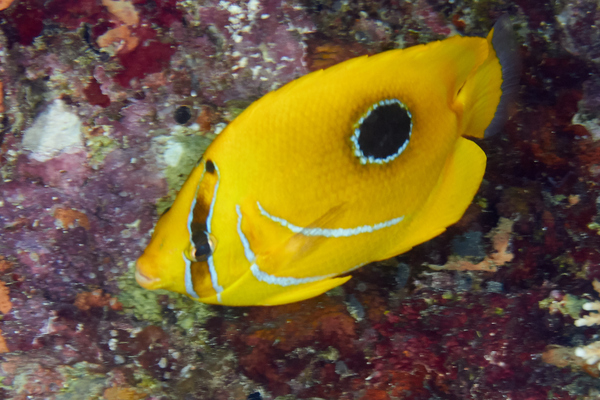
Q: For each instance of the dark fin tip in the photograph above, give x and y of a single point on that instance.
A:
(507, 50)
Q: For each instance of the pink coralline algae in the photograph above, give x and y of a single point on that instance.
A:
(106, 105)
(443, 346)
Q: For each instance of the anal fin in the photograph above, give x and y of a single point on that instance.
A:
(455, 190)
(307, 291)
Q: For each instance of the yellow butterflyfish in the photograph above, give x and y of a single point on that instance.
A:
(342, 167)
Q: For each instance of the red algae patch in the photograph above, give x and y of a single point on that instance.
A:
(94, 95)
(144, 60)
(87, 300)
(3, 345)
(69, 218)
(4, 264)
(325, 53)
(5, 304)
(2, 108)
(500, 241)
(375, 394)
(123, 393)
(315, 325)
(562, 357)
(28, 20)
(121, 38)
(123, 10)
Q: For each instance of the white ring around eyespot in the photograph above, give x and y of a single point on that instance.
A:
(356, 134)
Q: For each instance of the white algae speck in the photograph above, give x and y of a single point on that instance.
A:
(53, 131)
(173, 153)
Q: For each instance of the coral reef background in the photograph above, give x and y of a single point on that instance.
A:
(105, 106)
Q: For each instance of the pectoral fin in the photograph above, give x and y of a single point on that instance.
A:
(279, 276)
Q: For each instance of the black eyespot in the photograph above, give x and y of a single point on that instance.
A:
(210, 167)
(383, 132)
(201, 242)
(182, 114)
(254, 396)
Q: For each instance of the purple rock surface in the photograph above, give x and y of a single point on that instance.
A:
(75, 325)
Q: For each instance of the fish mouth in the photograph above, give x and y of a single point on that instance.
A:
(145, 282)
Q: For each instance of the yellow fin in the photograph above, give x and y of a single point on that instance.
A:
(489, 90)
(447, 203)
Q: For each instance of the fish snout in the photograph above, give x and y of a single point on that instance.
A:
(142, 277)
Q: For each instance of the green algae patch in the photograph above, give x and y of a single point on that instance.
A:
(233, 108)
(192, 149)
(146, 382)
(149, 305)
(143, 304)
(180, 153)
(81, 383)
(570, 305)
(98, 148)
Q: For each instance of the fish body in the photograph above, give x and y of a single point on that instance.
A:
(342, 167)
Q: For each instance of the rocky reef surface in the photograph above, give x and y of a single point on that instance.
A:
(106, 105)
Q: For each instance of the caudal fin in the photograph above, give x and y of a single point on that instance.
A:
(505, 45)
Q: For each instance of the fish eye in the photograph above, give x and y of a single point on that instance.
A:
(202, 249)
(202, 246)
